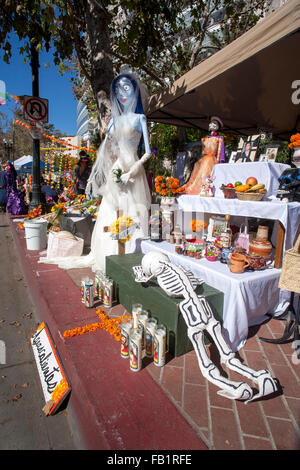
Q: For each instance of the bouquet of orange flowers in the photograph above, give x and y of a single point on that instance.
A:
(196, 225)
(295, 141)
(36, 212)
(167, 186)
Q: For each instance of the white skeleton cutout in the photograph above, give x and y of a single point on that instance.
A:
(197, 313)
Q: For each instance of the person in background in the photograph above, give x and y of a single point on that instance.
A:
(49, 192)
(3, 193)
(15, 199)
(82, 172)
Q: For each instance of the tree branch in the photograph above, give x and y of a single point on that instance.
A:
(145, 69)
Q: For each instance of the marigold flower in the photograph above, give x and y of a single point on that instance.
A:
(111, 325)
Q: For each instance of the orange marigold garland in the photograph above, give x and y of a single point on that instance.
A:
(59, 390)
(65, 171)
(69, 170)
(111, 325)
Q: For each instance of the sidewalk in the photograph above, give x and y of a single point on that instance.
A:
(171, 408)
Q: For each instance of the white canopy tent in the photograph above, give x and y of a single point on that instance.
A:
(22, 161)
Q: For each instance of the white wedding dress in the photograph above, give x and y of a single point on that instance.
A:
(132, 199)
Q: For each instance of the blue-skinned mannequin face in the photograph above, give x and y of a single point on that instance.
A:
(124, 92)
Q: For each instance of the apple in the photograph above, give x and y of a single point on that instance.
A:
(251, 180)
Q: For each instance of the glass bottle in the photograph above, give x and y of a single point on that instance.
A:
(226, 236)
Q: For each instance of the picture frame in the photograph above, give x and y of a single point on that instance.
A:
(247, 149)
(271, 152)
(216, 226)
(263, 158)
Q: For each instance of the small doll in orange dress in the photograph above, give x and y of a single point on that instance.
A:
(212, 152)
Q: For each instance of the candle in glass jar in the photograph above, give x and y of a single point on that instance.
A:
(143, 318)
(83, 281)
(135, 349)
(159, 346)
(125, 331)
(89, 293)
(151, 325)
(136, 310)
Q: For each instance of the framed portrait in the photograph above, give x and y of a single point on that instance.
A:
(271, 153)
(247, 153)
(216, 226)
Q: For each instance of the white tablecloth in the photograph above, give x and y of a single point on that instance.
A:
(287, 213)
(247, 296)
(265, 172)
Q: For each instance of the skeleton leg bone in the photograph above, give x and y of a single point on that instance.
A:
(262, 378)
(229, 388)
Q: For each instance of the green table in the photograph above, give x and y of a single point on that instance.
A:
(156, 301)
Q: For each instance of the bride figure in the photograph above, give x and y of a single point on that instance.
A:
(131, 195)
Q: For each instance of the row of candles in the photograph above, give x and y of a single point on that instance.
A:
(101, 289)
(140, 334)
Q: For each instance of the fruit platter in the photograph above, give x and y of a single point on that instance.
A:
(251, 190)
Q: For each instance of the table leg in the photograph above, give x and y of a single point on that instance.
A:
(279, 246)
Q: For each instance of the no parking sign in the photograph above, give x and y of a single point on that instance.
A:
(35, 109)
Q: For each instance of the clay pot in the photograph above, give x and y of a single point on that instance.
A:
(259, 262)
(240, 250)
(260, 247)
(238, 263)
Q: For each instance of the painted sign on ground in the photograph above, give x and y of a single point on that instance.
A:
(53, 380)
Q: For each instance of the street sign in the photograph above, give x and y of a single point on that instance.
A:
(35, 109)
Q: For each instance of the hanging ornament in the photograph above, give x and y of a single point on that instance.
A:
(46, 166)
(60, 163)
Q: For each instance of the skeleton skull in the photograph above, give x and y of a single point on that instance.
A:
(151, 263)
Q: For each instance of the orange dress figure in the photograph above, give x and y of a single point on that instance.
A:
(212, 153)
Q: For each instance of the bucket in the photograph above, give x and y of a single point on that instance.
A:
(36, 234)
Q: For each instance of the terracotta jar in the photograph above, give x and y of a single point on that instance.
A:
(260, 247)
(238, 263)
(262, 232)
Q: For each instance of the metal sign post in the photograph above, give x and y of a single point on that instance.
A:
(36, 110)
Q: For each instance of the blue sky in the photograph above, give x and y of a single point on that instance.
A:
(56, 88)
